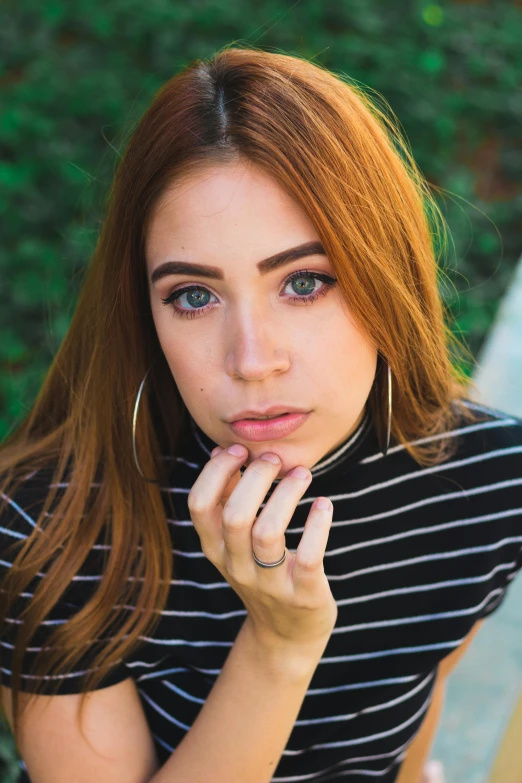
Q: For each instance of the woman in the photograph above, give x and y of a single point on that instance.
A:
(267, 251)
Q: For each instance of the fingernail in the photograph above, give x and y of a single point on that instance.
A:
(300, 472)
(273, 458)
(237, 450)
(323, 504)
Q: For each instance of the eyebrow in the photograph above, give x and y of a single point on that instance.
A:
(172, 267)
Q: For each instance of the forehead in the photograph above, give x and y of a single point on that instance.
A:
(226, 210)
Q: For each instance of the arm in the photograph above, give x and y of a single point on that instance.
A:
(237, 737)
(418, 752)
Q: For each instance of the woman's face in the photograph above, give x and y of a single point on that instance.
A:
(238, 340)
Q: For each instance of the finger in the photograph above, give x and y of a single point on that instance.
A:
(268, 532)
(309, 555)
(241, 508)
(233, 481)
(204, 498)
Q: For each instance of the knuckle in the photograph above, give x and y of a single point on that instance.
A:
(265, 538)
(236, 574)
(306, 564)
(195, 504)
(231, 519)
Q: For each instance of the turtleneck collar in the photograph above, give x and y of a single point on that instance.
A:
(362, 442)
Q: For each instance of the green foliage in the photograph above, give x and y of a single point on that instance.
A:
(75, 76)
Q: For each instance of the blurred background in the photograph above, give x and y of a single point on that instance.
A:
(74, 78)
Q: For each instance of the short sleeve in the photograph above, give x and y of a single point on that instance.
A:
(498, 594)
(16, 524)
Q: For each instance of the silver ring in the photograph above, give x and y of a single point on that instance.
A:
(268, 565)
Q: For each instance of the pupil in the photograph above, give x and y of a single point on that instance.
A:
(197, 296)
(301, 287)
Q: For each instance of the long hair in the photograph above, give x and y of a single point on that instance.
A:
(343, 158)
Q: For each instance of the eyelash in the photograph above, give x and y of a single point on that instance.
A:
(326, 279)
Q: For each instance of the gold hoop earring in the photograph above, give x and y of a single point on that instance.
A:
(385, 451)
(134, 418)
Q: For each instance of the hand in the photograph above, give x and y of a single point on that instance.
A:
(291, 602)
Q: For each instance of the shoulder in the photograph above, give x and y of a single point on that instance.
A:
(494, 438)
(22, 502)
(494, 425)
(24, 516)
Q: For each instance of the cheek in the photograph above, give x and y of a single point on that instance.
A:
(189, 364)
(340, 344)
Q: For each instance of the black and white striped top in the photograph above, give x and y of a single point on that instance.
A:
(415, 557)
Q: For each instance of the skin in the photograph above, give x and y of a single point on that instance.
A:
(253, 346)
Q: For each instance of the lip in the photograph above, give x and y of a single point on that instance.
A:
(271, 411)
(271, 429)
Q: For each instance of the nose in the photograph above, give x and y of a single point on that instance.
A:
(256, 344)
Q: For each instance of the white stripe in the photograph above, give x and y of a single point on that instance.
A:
(131, 664)
(317, 691)
(10, 565)
(507, 422)
(164, 744)
(44, 622)
(424, 472)
(420, 531)
(425, 558)
(74, 578)
(20, 595)
(355, 686)
(182, 642)
(427, 587)
(181, 613)
(37, 649)
(369, 738)
(12, 533)
(420, 503)
(344, 772)
(421, 617)
(154, 675)
(374, 708)
(20, 510)
(392, 651)
(323, 466)
(30, 475)
(182, 693)
(162, 711)
(56, 676)
(311, 691)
